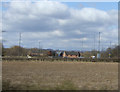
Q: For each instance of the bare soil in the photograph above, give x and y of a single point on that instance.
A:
(37, 75)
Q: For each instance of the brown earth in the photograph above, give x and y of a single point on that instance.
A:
(59, 75)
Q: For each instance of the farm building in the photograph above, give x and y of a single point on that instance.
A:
(64, 54)
(37, 53)
(71, 54)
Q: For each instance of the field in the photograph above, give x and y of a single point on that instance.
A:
(37, 75)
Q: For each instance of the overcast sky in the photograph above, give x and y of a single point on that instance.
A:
(60, 25)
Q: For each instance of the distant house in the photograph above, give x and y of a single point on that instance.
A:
(71, 54)
(51, 53)
(59, 53)
(35, 54)
(64, 54)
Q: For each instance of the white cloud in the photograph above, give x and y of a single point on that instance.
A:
(57, 33)
(53, 22)
(90, 14)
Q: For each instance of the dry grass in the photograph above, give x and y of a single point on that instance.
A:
(60, 75)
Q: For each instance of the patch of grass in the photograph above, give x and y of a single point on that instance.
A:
(66, 85)
(6, 85)
(104, 87)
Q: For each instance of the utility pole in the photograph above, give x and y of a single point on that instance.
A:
(110, 45)
(19, 42)
(98, 54)
(94, 43)
(82, 45)
(99, 41)
(110, 50)
(1, 41)
(39, 47)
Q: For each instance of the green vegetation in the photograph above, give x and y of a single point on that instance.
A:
(65, 85)
(20, 51)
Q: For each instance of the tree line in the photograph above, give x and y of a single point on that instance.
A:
(20, 51)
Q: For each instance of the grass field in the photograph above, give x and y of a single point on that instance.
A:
(38, 75)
